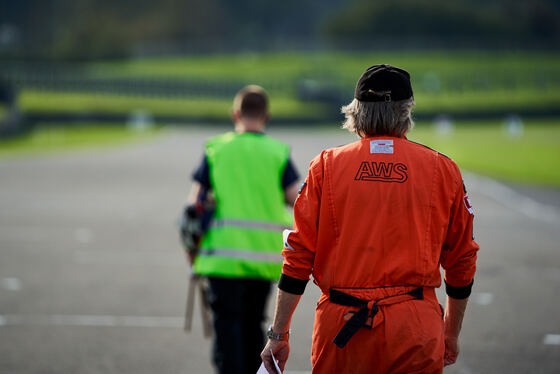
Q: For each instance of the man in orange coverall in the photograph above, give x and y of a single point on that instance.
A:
(374, 221)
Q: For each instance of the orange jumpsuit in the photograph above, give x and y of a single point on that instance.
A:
(375, 220)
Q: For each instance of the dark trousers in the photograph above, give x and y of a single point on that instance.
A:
(238, 311)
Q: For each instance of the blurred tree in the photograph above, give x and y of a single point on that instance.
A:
(88, 29)
(449, 23)
(543, 18)
(85, 29)
(108, 28)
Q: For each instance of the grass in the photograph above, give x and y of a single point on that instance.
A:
(48, 139)
(267, 67)
(486, 148)
(282, 107)
(213, 108)
(457, 102)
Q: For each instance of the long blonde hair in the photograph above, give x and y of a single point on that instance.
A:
(378, 118)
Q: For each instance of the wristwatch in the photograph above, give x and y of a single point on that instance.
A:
(277, 335)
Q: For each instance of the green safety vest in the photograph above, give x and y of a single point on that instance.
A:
(245, 237)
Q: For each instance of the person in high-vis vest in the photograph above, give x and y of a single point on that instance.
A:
(252, 179)
(374, 222)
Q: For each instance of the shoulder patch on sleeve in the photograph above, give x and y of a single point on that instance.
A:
(286, 235)
(302, 187)
(467, 200)
(468, 205)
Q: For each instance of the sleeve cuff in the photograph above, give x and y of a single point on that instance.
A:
(458, 292)
(292, 285)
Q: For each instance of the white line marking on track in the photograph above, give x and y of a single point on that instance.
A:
(482, 298)
(512, 199)
(11, 284)
(91, 320)
(551, 339)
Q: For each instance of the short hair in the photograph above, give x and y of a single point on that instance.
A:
(251, 101)
(366, 118)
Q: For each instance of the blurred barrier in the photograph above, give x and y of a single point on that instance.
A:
(147, 87)
(329, 88)
(79, 77)
(68, 77)
(11, 120)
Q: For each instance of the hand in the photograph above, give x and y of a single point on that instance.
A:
(281, 350)
(191, 256)
(451, 350)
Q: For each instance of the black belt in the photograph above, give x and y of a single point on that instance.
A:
(369, 308)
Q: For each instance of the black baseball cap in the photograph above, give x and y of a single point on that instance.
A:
(383, 83)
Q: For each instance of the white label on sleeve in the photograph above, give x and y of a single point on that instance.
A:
(286, 235)
(381, 146)
(468, 204)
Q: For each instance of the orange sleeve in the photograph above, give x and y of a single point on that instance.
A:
(300, 244)
(459, 252)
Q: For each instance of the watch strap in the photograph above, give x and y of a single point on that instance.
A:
(277, 335)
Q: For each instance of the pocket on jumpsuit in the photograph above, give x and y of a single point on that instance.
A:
(429, 316)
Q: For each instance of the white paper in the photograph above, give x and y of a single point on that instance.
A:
(262, 369)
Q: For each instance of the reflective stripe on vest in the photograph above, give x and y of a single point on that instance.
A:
(249, 224)
(236, 253)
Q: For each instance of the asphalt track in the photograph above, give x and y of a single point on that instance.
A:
(93, 280)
